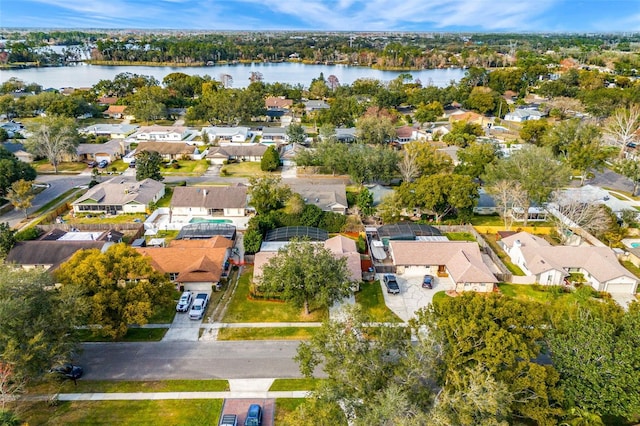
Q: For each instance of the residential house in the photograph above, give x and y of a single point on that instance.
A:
(224, 135)
(209, 201)
(162, 133)
(459, 260)
(404, 134)
(523, 114)
(289, 152)
(550, 265)
(249, 152)
(111, 131)
(108, 100)
(119, 195)
(329, 197)
(313, 106)
(193, 265)
(277, 103)
(116, 111)
(471, 117)
(19, 151)
(274, 135)
(171, 151)
(339, 246)
(346, 134)
(109, 151)
(486, 204)
(451, 152)
(379, 193)
(49, 254)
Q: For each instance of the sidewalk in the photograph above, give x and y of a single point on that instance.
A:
(239, 389)
(218, 325)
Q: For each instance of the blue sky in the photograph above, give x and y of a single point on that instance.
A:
(341, 15)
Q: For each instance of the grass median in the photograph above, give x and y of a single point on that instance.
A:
(267, 333)
(128, 386)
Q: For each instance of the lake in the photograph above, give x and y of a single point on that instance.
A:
(83, 75)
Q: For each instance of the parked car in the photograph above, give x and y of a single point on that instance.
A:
(102, 164)
(92, 164)
(185, 302)
(199, 306)
(254, 416)
(427, 282)
(68, 371)
(391, 284)
(132, 164)
(229, 420)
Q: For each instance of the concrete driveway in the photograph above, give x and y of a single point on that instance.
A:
(623, 299)
(183, 329)
(412, 296)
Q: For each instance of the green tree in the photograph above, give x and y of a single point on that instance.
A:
(119, 287)
(4, 135)
(270, 160)
(372, 129)
(148, 166)
(296, 133)
(442, 194)
(52, 137)
(252, 240)
(306, 274)
(267, 194)
(7, 238)
(474, 158)
(501, 337)
(365, 202)
(482, 99)
(630, 169)
(148, 104)
(21, 195)
(12, 170)
(429, 112)
(536, 169)
(427, 159)
(37, 323)
(463, 133)
(597, 358)
(533, 131)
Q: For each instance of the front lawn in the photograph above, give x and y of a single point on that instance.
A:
(194, 412)
(244, 309)
(294, 385)
(187, 167)
(372, 301)
(284, 406)
(44, 166)
(266, 333)
(533, 292)
(242, 169)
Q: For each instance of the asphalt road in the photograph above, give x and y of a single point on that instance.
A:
(189, 360)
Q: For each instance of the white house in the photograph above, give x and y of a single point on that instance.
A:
(549, 265)
(523, 114)
(226, 134)
(162, 133)
(274, 135)
(112, 131)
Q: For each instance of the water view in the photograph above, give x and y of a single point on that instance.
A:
(83, 75)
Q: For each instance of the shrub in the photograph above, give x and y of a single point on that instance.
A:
(224, 172)
(175, 165)
(28, 234)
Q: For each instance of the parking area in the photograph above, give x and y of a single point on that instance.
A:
(239, 407)
(184, 329)
(412, 296)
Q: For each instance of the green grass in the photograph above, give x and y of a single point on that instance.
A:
(132, 335)
(243, 309)
(99, 217)
(56, 201)
(284, 406)
(193, 412)
(438, 296)
(116, 386)
(531, 292)
(372, 301)
(294, 384)
(165, 201)
(631, 268)
(267, 333)
(164, 314)
(189, 167)
(460, 236)
(487, 220)
(43, 166)
(242, 169)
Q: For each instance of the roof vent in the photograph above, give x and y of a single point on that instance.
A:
(517, 243)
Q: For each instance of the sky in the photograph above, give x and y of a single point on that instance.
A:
(329, 15)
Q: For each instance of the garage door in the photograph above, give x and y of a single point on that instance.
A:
(619, 288)
(99, 158)
(198, 287)
(416, 270)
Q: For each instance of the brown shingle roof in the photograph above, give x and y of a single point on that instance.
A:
(211, 197)
(190, 260)
(116, 109)
(167, 148)
(278, 102)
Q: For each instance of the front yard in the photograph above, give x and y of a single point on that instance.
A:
(242, 169)
(242, 308)
(372, 301)
(186, 167)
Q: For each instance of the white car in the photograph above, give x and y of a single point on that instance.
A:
(185, 302)
(197, 309)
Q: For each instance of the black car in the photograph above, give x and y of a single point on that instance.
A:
(92, 164)
(391, 284)
(427, 282)
(68, 371)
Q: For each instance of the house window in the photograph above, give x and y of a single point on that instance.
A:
(173, 276)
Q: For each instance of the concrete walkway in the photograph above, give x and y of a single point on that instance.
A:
(116, 396)
(218, 325)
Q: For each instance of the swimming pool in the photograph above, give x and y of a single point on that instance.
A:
(205, 220)
(634, 245)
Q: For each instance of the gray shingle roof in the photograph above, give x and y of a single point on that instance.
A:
(211, 197)
(121, 191)
(48, 252)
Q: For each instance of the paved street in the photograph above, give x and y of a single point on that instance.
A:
(189, 360)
